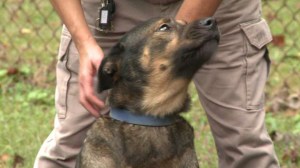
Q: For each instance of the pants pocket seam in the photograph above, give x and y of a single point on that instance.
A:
(62, 112)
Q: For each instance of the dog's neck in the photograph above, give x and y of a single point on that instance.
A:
(164, 104)
(161, 99)
(158, 102)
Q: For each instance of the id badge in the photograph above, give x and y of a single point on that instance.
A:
(105, 16)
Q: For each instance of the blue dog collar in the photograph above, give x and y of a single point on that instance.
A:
(138, 119)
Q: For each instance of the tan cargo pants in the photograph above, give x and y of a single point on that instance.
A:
(230, 87)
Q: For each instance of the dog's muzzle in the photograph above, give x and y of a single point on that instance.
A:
(200, 28)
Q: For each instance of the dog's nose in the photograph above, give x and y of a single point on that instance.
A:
(207, 22)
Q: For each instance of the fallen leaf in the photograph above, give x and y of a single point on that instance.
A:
(271, 16)
(291, 155)
(18, 160)
(12, 71)
(25, 31)
(279, 40)
(294, 156)
(5, 157)
(298, 5)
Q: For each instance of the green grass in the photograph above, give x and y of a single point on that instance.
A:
(25, 120)
(27, 97)
(28, 115)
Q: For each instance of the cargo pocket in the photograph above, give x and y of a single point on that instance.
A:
(256, 36)
(62, 76)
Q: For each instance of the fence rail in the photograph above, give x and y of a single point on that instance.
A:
(30, 30)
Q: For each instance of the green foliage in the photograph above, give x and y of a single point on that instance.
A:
(26, 116)
(296, 121)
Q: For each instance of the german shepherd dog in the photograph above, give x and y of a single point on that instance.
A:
(148, 72)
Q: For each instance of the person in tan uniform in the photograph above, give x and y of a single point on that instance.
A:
(230, 85)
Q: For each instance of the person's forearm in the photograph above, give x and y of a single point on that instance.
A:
(71, 13)
(91, 55)
(191, 10)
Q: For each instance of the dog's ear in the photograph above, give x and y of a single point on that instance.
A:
(108, 72)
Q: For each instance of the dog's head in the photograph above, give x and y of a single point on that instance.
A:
(150, 68)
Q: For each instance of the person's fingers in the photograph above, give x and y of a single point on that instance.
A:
(89, 107)
(92, 110)
(91, 102)
(90, 60)
(87, 95)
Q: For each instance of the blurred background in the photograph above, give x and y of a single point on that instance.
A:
(29, 39)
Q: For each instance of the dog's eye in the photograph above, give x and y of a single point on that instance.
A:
(164, 27)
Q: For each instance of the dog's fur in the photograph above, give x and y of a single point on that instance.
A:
(148, 72)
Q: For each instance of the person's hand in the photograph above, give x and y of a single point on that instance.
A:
(91, 56)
